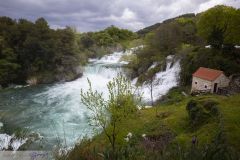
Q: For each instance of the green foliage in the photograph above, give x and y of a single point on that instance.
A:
(184, 21)
(174, 96)
(8, 64)
(108, 114)
(101, 42)
(220, 26)
(166, 39)
(30, 49)
(120, 34)
(195, 57)
(199, 112)
(7, 71)
(183, 35)
(170, 136)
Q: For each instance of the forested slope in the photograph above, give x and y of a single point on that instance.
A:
(33, 52)
(186, 37)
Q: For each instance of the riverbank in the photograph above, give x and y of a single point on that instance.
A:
(55, 111)
(171, 135)
(45, 107)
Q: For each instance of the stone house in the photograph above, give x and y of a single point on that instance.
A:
(208, 80)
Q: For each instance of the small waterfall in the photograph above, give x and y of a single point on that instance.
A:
(163, 81)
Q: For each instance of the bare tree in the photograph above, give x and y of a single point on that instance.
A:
(151, 82)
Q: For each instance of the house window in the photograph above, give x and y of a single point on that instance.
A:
(205, 86)
(195, 82)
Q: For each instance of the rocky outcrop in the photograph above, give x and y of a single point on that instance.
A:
(61, 75)
(32, 81)
(99, 51)
(69, 74)
(234, 85)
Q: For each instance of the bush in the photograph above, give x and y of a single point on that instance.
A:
(174, 95)
(200, 111)
(211, 106)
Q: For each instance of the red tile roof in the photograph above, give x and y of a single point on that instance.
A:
(207, 73)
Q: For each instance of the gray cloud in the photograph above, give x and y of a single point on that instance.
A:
(91, 15)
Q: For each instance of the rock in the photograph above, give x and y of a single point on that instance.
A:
(185, 94)
(236, 46)
(69, 74)
(208, 46)
(1, 125)
(164, 115)
(148, 107)
(32, 81)
(35, 136)
(78, 70)
(61, 75)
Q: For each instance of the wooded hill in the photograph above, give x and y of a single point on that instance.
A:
(33, 52)
(181, 126)
(186, 37)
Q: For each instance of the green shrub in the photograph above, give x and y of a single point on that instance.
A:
(200, 111)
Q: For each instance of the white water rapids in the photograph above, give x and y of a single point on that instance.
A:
(55, 111)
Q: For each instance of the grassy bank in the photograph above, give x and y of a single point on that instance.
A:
(169, 135)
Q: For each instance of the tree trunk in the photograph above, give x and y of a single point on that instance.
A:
(151, 90)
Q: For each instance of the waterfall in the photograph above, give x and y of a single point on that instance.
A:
(163, 81)
(55, 111)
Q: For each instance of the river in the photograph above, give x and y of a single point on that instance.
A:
(54, 113)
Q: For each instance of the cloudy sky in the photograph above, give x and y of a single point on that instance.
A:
(92, 15)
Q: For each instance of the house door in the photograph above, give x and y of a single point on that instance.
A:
(215, 88)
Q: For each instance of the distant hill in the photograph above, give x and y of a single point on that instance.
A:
(151, 28)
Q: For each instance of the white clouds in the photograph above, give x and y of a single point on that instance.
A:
(212, 3)
(128, 15)
(89, 15)
(209, 4)
(55, 26)
(175, 9)
(128, 19)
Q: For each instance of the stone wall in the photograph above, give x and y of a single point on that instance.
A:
(199, 84)
(222, 81)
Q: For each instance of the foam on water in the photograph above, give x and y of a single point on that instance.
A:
(68, 112)
(163, 81)
(10, 142)
(56, 112)
(153, 65)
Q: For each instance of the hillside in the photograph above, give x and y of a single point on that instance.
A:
(169, 135)
(33, 53)
(185, 37)
(177, 127)
(153, 28)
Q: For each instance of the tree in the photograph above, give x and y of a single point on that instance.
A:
(220, 26)
(8, 65)
(86, 40)
(108, 114)
(151, 76)
(167, 38)
(151, 82)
